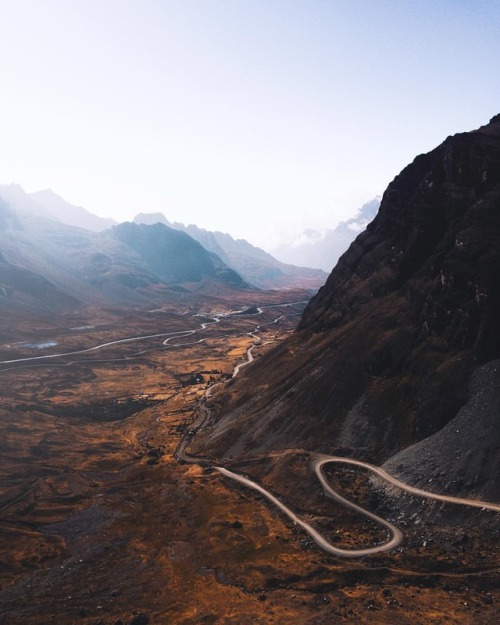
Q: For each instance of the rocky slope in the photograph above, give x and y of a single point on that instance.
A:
(465, 452)
(385, 352)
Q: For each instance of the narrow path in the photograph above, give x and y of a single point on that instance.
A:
(319, 539)
(396, 536)
(474, 503)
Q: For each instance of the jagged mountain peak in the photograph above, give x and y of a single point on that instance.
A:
(255, 265)
(50, 265)
(174, 255)
(58, 208)
(151, 218)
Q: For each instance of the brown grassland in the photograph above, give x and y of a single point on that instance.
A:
(101, 524)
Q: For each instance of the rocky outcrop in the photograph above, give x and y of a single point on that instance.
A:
(383, 354)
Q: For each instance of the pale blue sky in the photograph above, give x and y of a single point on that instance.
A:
(256, 117)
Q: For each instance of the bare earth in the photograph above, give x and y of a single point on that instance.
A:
(100, 524)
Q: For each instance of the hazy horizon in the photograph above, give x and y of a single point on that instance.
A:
(254, 118)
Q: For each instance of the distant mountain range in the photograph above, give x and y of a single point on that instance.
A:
(49, 265)
(48, 204)
(256, 267)
(254, 264)
(322, 249)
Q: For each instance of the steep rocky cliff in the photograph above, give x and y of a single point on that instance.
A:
(383, 355)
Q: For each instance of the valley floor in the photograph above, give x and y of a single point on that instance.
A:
(101, 524)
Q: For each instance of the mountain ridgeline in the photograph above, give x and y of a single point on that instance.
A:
(397, 358)
(254, 264)
(83, 259)
(174, 256)
(46, 265)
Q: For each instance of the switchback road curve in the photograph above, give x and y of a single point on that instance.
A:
(396, 536)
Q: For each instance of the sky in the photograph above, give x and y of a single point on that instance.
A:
(255, 117)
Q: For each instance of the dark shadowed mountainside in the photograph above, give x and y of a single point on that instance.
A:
(400, 344)
(254, 264)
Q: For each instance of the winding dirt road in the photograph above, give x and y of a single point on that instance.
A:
(319, 539)
(474, 503)
(396, 535)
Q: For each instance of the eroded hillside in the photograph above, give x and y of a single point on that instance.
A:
(384, 353)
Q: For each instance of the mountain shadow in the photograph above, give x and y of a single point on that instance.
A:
(403, 338)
